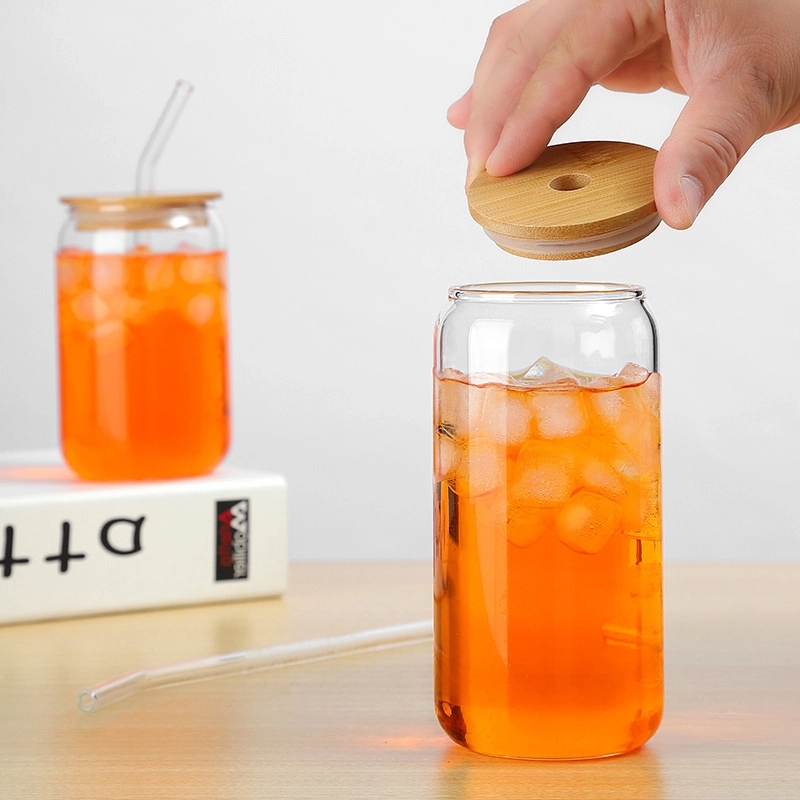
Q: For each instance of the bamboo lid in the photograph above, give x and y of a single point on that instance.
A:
(576, 200)
(138, 202)
(140, 211)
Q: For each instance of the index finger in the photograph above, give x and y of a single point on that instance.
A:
(594, 39)
(527, 32)
(501, 32)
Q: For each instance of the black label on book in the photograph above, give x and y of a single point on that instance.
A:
(233, 539)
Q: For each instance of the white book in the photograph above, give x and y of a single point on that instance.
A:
(70, 547)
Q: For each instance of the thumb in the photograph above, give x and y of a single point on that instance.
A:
(716, 128)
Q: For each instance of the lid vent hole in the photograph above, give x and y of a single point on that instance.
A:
(569, 183)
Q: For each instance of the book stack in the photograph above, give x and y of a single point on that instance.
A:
(70, 547)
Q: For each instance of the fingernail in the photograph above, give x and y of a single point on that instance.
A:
(692, 195)
(490, 161)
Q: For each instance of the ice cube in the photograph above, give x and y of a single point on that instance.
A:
(626, 466)
(197, 270)
(525, 526)
(159, 273)
(487, 378)
(545, 371)
(71, 272)
(447, 454)
(642, 511)
(89, 307)
(131, 309)
(632, 374)
(200, 308)
(558, 414)
(650, 393)
(124, 307)
(451, 374)
(505, 415)
(622, 411)
(457, 405)
(650, 529)
(481, 468)
(609, 405)
(587, 521)
(108, 337)
(543, 475)
(108, 274)
(599, 476)
(600, 382)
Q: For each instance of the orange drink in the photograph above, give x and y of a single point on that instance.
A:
(547, 583)
(143, 352)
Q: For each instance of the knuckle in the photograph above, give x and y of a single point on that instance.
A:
(757, 90)
(759, 83)
(722, 149)
(502, 27)
(516, 49)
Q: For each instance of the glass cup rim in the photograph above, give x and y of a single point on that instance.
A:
(538, 291)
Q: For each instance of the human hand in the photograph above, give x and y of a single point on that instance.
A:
(737, 60)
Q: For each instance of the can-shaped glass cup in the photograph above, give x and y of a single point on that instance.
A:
(547, 478)
(142, 335)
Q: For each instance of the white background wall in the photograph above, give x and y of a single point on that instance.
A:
(323, 123)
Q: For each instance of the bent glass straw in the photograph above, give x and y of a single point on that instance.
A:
(145, 169)
(282, 655)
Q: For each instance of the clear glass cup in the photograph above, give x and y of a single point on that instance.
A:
(547, 578)
(143, 339)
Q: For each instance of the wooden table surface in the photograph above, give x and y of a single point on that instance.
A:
(363, 726)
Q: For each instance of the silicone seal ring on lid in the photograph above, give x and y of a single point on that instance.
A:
(576, 248)
(576, 200)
